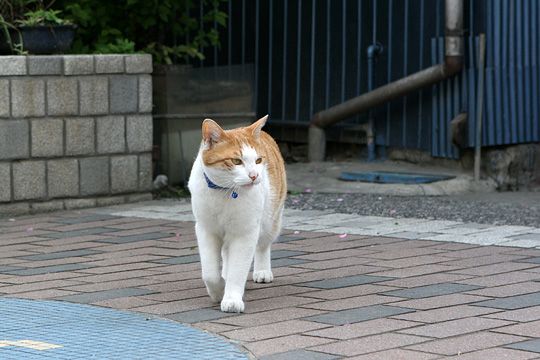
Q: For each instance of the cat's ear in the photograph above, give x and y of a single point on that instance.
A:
(257, 126)
(212, 133)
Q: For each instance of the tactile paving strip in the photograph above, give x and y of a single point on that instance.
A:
(31, 329)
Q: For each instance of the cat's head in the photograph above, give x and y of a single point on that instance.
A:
(234, 157)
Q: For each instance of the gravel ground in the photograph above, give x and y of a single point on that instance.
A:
(490, 209)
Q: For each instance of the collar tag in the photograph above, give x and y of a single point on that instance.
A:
(211, 185)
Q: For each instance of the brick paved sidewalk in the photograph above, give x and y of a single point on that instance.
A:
(358, 296)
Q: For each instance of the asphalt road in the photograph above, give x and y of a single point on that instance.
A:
(509, 208)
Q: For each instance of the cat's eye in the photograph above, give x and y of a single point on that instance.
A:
(258, 161)
(237, 161)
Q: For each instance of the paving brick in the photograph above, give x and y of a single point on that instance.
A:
(365, 328)
(279, 303)
(446, 314)
(62, 96)
(424, 280)
(124, 94)
(124, 173)
(145, 94)
(456, 327)
(50, 269)
(200, 315)
(466, 343)
(111, 136)
(128, 302)
(109, 64)
(283, 344)
(501, 279)
(63, 177)
(415, 271)
(440, 301)
(369, 344)
(347, 292)
(267, 317)
(531, 329)
(78, 65)
(29, 180)
(512, 302)
(495, 353)
(353, 302)
(139, 133)
(521, 315)
(61, 254)
(44, 65)
(139, 63)
(299, 355)
(94, 175)
(47, 137)
(93, 297)
(495, 269)
(5, 184)
(400, 354)
(180, 260)
(535, 260)
(529, 345)
(94, 95)
(359, 314)
(509, 290)
(27, 98)
(274, 330)
(80, 136)
(345, 281)
(135, 238)
(4, 98)
(12, 65)
(431, 290)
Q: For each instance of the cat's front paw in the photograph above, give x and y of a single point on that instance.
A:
(263, 276)
(232, 305)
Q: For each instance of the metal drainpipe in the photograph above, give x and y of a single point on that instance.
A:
(373, 51)
(453, 63)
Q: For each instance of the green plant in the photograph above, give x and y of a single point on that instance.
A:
(42, 17)
(170, 30)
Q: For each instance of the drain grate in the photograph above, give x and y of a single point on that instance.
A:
(387, 177)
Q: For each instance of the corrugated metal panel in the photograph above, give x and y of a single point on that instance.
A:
(311, 54)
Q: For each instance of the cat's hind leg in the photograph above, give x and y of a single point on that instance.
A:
(209, 251)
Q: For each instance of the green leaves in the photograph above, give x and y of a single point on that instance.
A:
(172, 31)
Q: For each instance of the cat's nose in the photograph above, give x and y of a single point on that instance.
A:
(253, 176)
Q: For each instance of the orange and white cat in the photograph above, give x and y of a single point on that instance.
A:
(238, 188)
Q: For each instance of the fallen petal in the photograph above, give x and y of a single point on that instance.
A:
(296, 232)
(342, 236)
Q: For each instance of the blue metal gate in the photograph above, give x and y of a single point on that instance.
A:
(311, 54)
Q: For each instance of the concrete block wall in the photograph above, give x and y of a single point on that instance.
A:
(75, 131)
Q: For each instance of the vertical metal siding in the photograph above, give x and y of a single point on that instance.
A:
(311, 54)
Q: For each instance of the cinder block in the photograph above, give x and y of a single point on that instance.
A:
(27, 97)
(139, 133)
(124, 95)
(14, 209)
(12, 65)
(124, 173)
(94, 175)
(78, 64)
(80, 136)
(62, 96)
(29, 180)
(72, 204)
(14, 142)
(5, 181)
(63, 177)
(47, 206)
(110, 200)
(110, 134)
(139, 64)
(47, 137)
(94, 95)
(4, 98)
(109, 64)
(145, 93)
(45, 65)
(145, 172)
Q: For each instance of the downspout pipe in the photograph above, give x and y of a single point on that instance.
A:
(373, 51)
(452, 65)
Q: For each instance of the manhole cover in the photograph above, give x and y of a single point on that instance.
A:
(387, 177)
